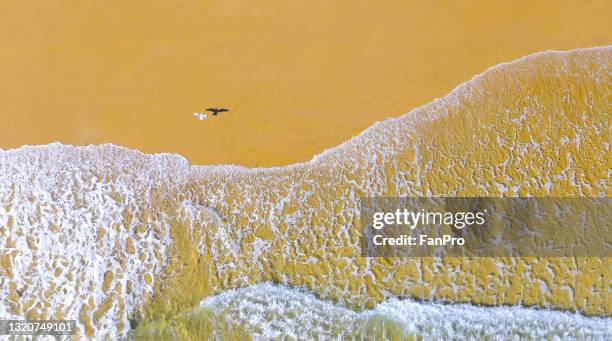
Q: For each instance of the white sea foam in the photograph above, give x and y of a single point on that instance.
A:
(68, 220)
(274, 311)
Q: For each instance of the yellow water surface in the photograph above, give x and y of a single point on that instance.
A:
(297, 76)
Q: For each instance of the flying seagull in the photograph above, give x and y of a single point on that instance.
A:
(200, 116)
(215, 111)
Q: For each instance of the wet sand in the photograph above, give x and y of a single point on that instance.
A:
(298, 77)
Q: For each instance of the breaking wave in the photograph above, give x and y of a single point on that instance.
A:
(268, 311)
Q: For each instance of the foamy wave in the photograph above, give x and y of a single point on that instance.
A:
(81, 235)
(275, 312)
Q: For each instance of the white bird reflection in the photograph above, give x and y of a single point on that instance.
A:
(200, 116)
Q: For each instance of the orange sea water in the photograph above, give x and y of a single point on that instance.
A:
(299, 77)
